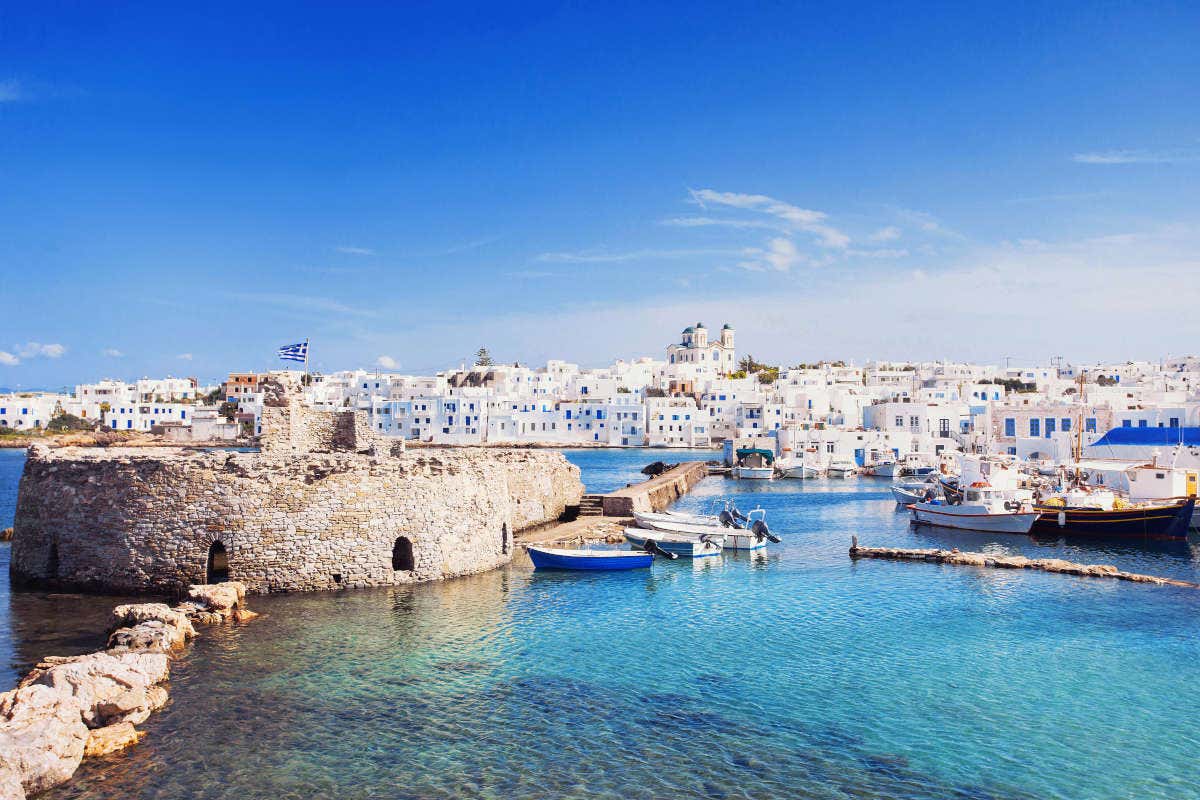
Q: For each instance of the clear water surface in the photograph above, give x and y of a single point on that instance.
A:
(797, 674)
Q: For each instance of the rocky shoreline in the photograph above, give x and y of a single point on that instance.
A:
(71, 708)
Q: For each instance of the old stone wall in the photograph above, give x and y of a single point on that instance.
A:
(151, 519)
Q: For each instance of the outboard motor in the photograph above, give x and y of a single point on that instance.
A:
(652, 548)
(762, 532)
(738, 516)
(726, 520)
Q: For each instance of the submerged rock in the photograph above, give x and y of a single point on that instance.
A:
(111, 738)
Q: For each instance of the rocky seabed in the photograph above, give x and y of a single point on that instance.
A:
(70, 708)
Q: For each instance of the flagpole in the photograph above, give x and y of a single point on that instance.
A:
(305, 381)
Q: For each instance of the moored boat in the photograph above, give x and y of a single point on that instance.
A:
(841, 468)
(555, 558)
(686, 546)
(1162, 520)
(754, 464)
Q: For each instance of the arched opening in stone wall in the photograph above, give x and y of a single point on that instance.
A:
(218, 564)
(504, 537)
(402, 555)
(52, 562)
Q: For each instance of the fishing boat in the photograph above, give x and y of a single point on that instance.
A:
(982, 509)
(729, 516)
(685, 546)
(1100, 513)
(992, 499)
(554, 558)
(883, 468)
(915, 490)
(754, 463)
(842, 468)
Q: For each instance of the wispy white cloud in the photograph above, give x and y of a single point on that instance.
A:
(184, 356)
(880, 252)
(112, 352)
(888, 234)
(799, 218)
(471, 245)
(11, 91)
(926, 223)
(1137, 157)
(531, 274)
(30, 350)
(37, 350)
(355, 251)
(780, 255)
(599, 257)
(700, 222)
(387, 362)
(303, 303)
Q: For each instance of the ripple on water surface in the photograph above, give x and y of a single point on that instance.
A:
(794, 674)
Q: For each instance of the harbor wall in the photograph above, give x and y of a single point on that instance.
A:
(325, 504)
(141, 520)
(657, 493)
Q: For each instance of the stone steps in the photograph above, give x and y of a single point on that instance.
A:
(591, 505)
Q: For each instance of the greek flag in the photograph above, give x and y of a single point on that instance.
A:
(294, 352)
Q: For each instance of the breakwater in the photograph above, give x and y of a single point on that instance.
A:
(325, 505)
(70, 708)
(958, 558)
(654, 494)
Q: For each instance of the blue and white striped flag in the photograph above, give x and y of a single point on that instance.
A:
(294, 352)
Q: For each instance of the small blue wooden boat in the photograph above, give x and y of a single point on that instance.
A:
(552, 558)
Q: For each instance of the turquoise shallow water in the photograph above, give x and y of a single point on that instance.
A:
(798, 674)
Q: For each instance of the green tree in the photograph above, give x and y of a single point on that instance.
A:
(228, 410)
(483, 358)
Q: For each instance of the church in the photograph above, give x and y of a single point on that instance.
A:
(695, 348)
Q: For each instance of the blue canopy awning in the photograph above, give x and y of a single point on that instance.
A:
(1149, 437)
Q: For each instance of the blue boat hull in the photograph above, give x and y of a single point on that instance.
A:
(1162, 522)
(543, 560)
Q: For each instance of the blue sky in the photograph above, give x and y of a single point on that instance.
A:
(184, 189)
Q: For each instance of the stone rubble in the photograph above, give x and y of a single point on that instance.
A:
(1058, 565)
(69, 708)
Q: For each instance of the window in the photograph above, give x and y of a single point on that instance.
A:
(1010, 426)
(1066, 424)
(1142, 423)
(1089, 424)
(1174, 422)
(1126, 423)
(1050, 423)
(1035, 427)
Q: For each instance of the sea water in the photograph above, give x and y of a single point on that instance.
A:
(796, 673)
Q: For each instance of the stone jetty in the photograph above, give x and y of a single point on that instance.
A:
(958, 558)
(655, 494)
(71, 708)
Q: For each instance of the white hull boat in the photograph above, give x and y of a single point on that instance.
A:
(801, 471)
(842, 470)
(734, 539)
(886, 470)
(754, 473)
(685, 546)
(906, 495)
(973, 518)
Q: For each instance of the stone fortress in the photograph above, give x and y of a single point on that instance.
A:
(325, 504)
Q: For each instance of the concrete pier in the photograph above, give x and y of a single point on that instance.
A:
(657, 493)
(959, 558)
